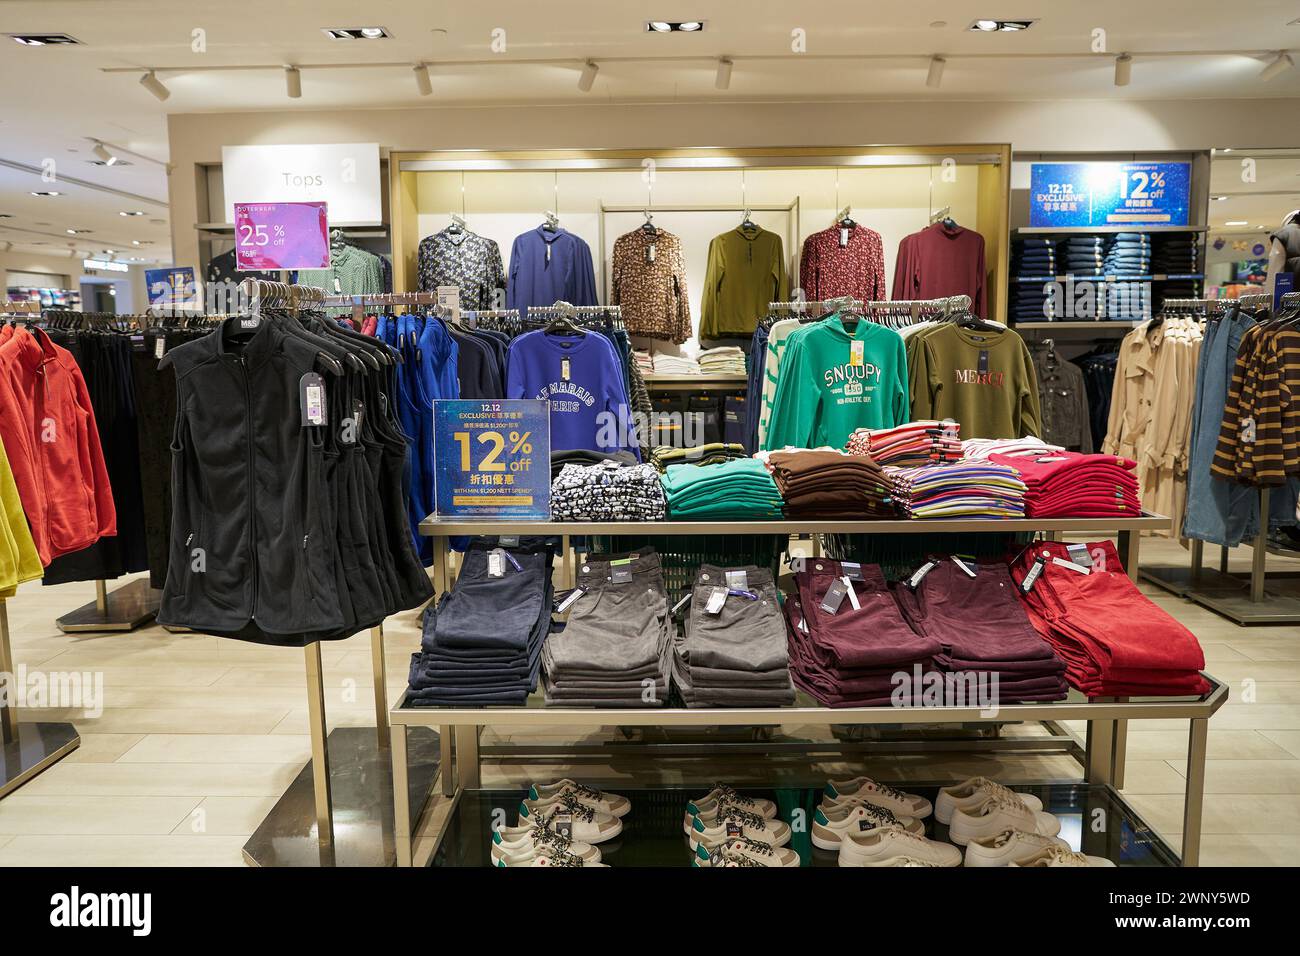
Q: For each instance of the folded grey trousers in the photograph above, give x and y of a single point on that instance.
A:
(728, 697)
(748, 634)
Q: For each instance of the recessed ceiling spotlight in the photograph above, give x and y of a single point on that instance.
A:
(669, 26)
(5, 215)
(355, 33)
(938, 24)
(115, 162)
(1001, 26)
(46, 192)
(1236, 222)
(101, 152)
(76, 232)
(1220, 198)
(42, 39)
(131, 212)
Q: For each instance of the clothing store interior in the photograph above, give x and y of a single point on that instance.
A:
(413, 365)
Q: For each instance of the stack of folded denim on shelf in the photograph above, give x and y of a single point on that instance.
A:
(1115, 642)
(1082, 255)
(731, 651)
(998, 644)
(848, 638)
(824, 484)
(1174, 254)
(1127, 301)
(1034, 301)
(964, 489)
(739, 488)
(915, 443)
(1069, 484)
(724, 360)
(608, 491)
(1129, 254)
(1033, 264)
(482, 644)
(707, 454)
(614, 649)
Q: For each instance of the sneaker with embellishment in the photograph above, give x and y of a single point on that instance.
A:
(997, 814)
(723, 794)
(611, 803)
(553, 859)
(586, 825)
(1061, 856)
(709, 830)
(973, 792)
(864, 789)
(764, 854)
(831, 823)
(519, 844)
(882, 845)
(1009, 846)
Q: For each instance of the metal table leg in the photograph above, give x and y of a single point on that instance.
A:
(446, 736)
(440, 582)
(380, 673)
(401, 796)
(467, 763)
(1100, 752)
(320, 761)
(1194, 796)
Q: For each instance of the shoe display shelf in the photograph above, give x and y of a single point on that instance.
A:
(1101, 753)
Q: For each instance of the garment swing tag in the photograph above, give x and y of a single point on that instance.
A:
(984, 361)
(650, 253)
(970, 572)
(338, 289)
(1061, 562)
(564, 369)
(496, 564)
(159, 347)
(856, 351)
(852, 594)
(569, 600)
(311, 399)
(682, 603)
(918, 576)
(852, 570)
(717, 598)
(834, 597)
(1027, 584)
(738, 579)
(844, 238)
(548, 252)
(562, 824)
(1079, 554)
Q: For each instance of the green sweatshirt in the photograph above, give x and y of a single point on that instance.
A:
(831, 382)
(985, 380)
(746, 271)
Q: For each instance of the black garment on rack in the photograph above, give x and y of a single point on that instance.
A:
(105, 361)
(1099, 377)
(223, 268)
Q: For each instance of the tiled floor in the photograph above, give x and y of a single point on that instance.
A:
(199, 736)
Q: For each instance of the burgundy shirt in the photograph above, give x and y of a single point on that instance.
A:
(938, 262)
(828, 270)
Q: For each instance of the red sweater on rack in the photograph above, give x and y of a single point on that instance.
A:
(49, 433)
(938, 262)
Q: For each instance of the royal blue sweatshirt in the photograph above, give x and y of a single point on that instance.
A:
(589, 408)
(567, 275)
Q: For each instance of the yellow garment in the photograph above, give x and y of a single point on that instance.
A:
(19, 561)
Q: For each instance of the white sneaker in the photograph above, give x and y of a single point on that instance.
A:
(610, 803)
(1000, 813)
(557, 859)
(723, 794)
(861, 789)
(764, 854)
(1009, 846)
(906, 861)
(588, 825)
(972, 793)
(883, 845)
(1057, 856)
(519, 844)
(831, 823)
(731, 822)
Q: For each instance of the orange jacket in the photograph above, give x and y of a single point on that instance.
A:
(49, 433)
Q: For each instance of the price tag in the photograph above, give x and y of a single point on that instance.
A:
(1061, 562)
(738, 579)
(844, 238)
(918, 576)
(650, 253)
(834, 597)
(159, 347)
(569, 600)
(856, 351)
(564, 369)
(717, 598)
(852, 570)
(562, 823)
(496, 564)
(311, 399)
(734, 829)
(852, 594)
(1027, 584)
(963, 565)
(1079, 554)
(682, 603)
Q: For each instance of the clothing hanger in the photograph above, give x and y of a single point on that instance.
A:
(552, 223)
(563, 321)
(649, 226)
(844, 219)
(457, 226)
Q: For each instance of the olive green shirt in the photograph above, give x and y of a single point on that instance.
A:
(746, 271)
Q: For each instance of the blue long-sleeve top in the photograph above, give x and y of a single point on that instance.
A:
(535, 279)
(589, 407)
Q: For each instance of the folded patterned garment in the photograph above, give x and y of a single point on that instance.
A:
(609, 491)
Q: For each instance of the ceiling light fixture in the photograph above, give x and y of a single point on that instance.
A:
(292, 82)
(669, 26)
(374, 33)
(46, 192)
(1001, 26)
(935, 76)
(1220, 198)
(154, 85)
(589, 71)
(422, 81)
(356, 33)
(1123, 69)
(131, 212)
(1279, 65)
(1236, 222)
(42, 39)
(723, 80)
(988, 26)
(101, 151)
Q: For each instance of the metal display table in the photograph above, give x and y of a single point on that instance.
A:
(1102, 754)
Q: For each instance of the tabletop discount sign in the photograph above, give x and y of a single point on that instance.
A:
(1109, 194)
(281, 235)
(492, 458)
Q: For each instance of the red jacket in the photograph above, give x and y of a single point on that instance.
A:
(49, 433)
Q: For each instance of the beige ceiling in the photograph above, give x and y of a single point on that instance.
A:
(55, 97)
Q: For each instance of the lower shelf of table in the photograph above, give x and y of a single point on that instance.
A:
(1094, 819)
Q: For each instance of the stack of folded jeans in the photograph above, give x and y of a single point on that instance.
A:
(1084, 255)
(609, 491)
(1127, 301)
(1033, 257)
(1113, 639)
(482, 644)
(1175, 254)
(740, 488)
(848, 654)
(731, 651)
(964, 489)
(999, 643)
(915, 443)
(1129, 254)
(614, 649)
(1034, 301)
(826, 484)
(1069, 484)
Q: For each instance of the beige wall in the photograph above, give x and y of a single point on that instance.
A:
(1060, 125)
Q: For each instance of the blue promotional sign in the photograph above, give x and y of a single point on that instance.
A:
(1285, 283)
(1109, 194)
(173, 286)
(492, 458)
